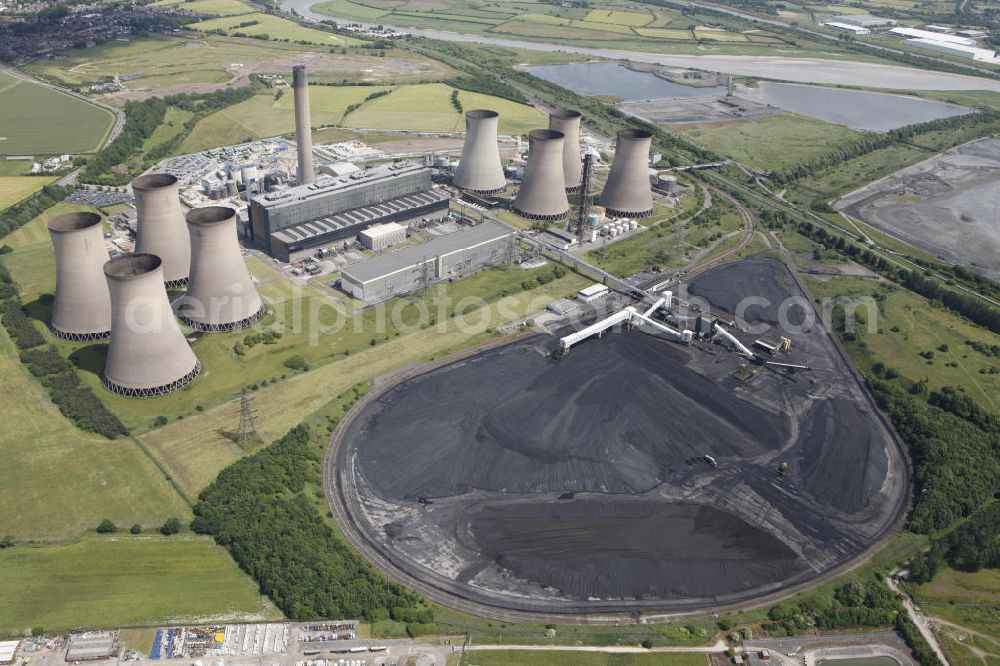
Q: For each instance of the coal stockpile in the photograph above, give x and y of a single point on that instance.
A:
(636, 473)
(640, 549)
(621, 417)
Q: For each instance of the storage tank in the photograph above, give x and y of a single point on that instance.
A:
(667, 183)
(593, 220)
(232, 189)
(220, 295)
(160, 225)
(542, 195)
(303, 126)
(567, 121)
(627, 192)
(82, 307)
(480, 169)
(148, 354)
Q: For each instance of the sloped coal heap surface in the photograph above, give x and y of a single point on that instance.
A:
(616, 419)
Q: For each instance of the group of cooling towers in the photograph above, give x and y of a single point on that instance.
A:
(126, 297)
(554, 167)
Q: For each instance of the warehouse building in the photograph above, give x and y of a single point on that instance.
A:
(294, 241)
(847, 27)
(957, 50)
(916, 33)
(328, 196)
(8, 650)
(452, 256)
(864, 20)
(381, 236)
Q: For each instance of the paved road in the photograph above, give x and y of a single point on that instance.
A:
(798, 70)
(718, 646)
(118, 113)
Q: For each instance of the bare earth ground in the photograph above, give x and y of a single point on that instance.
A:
(948, 205)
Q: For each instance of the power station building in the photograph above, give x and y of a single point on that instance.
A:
(451, 256)
(300, 219)
(82, 307)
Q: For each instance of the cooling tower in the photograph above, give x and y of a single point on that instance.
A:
(303, 127)
(148, 354)
(627, 192)
(82, 308)
(543, 189)
(480, 169)
(220, 295)
(567, 121)
(160, 225)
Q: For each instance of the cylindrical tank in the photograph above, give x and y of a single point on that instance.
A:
(480, 169)
(667, 183)
(442, 161)
(82, 307)
(148, 354)
(627, 192)
(232, 189)
(161, 230)
(633, 225)
(542, 195)
(303, 127)
(567, 121)
(248, 174)
(220, 295)
(593, 220)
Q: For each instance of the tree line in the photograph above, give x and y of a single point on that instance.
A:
(872, 142)
(21, 213)
(73, 398)
(261, 509)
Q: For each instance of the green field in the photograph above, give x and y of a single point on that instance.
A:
(619, 18)
(124, 581)
(773, 142)
(948, 584)
(408, 107)
(920, 326)
(214, 7)
(16, 188)
(574, 658)
(275, 27)
(36, 120)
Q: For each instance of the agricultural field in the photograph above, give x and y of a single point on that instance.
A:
(214, 7)
(772, 142)
(36, 120)
(275, 28)
(15, 188)
(414, 107)
(919, 339)
(629, 25)
(124, 581)
(167, 65)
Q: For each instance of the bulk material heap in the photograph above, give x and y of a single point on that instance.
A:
(480, 169)
(567, 121)
(627, 192)
(82, 308)
(148, 354)
(220, 295)
(160, 226)
(543, 190)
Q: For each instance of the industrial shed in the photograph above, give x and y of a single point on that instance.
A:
(453, 255)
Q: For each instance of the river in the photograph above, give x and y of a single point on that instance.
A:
(797, 70)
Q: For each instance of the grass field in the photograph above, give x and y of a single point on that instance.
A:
(124, 581)
(214, 7)
(35, 119)
(618, 17)
(16, 188)
(570, 658)
(948, 585)
(773, 142)
(921, 327)
(275, 27)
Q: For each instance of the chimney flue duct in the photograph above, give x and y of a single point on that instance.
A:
(303, 126)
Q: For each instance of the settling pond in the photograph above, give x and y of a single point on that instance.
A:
(611, 78)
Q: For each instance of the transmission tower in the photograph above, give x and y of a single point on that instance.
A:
(581, 220)
(248, 424)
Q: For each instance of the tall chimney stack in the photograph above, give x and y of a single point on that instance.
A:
(303, 127)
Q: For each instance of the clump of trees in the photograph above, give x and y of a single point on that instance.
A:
(260, 510)
(20, 214)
